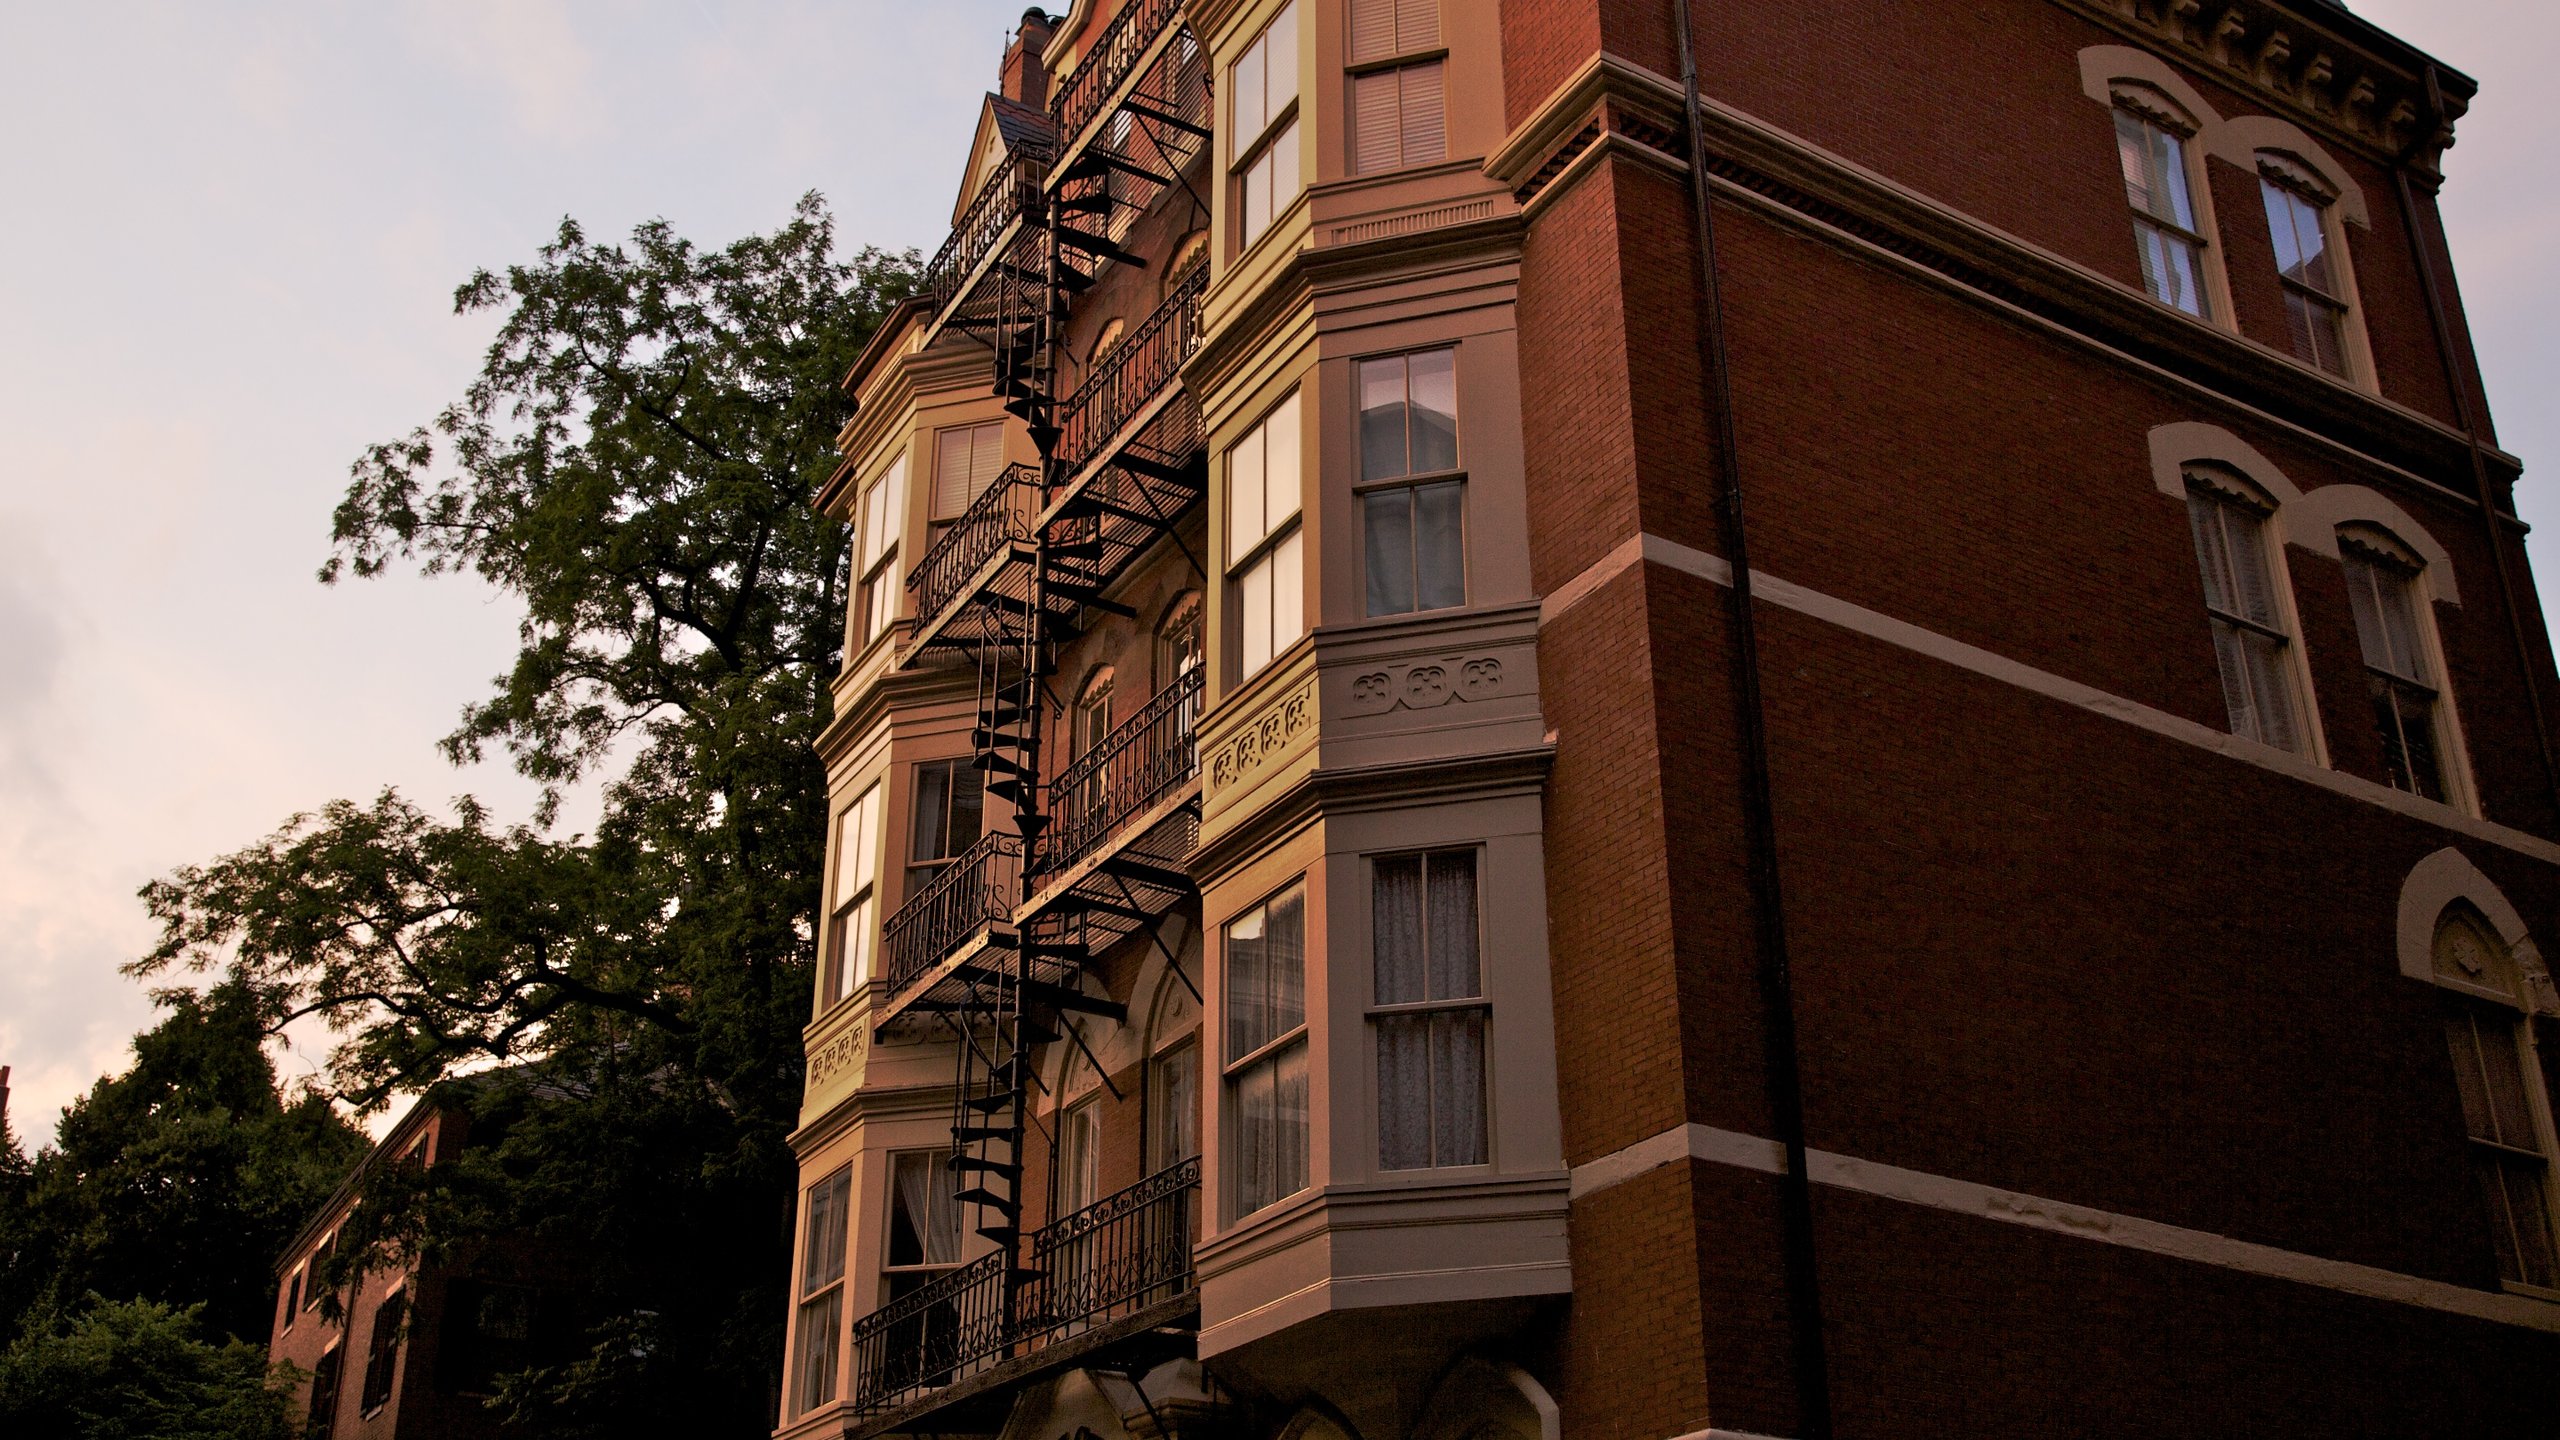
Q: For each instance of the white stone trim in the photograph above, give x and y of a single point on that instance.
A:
(1857, 618)
(2442, 879)
(2177, 1242)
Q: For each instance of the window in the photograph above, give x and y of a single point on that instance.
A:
(1414, 533)
(1080, 1153)
(1265, 86)
(1430, 1011)
(2315, 305)
(2157, 185)
(950, 809)
(1173, 1105)
(293, 1297)
(1267, 1049)
(488, 1332)
(382, 1352)
(2250, 640)
(1266, 556)
(924, 1245)
(1178, 641)
(966, 460)
(1396, 112)
(821, 1327)
(857, 890)
(2382, 585)
(884, 511)
(1092, 728)
(2505, 1100)
(322, 1421)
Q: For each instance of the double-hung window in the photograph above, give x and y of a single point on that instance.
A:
(821, 1328)
(883, 514)
(2158, 185)
(2505, 1097)
(1430, 1011)
(950, 811)
(923, 1246)
(857, 899)
(1264, 87)
(1266, 1069)
(2382, 585)
(1398, 117)
(2250, 640)
(382, 1353)
(966, 460)
(321, 1422)
(1080, 1149)
(1413, 502)
(2315, 303)
(1173, 1104)
(293, 1297)
(1266, 553)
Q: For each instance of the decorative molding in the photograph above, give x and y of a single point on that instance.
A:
(1407, 223)
(1427, 685)
(839, 1056)
(2334, 75)
(1263, 738)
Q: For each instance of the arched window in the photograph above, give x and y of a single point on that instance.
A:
(1079, 1168)
(1178, 648)
(1173, 1072)
(1092, 727)
(2250, 612)
(2396, 631)
(1105, 343)
(2311, 259)
(2154, 138)
(2505, 1082)
(1190, 251)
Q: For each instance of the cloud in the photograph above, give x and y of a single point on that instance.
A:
(528, 49)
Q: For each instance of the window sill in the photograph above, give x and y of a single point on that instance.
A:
(2530, 1292)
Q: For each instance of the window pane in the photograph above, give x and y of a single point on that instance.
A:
(1287, 942)
(1247, 516)
(931, 839)
(1440, 559)
(1373, 30)
(1424, 130)
(924, 1210)
(1281, 57)
(2531, 1206)
(1457, 1088)
(1388, 516)
(1288, 591)
(1174, 1107)
(1375, 123)
(1417, 25)
(1256, 1127)
(1404, 1092)
(1395, 920)
(2503, 1068)
(1435, 411)
(2171, 269)
(2468, 1077)
(1257, 196)
(1283, 472)
(821, 1331)
(822, 1248)
(2270, 690)
(1254, 591)
(1455, 970)
(1289, 1162)
(2254, 595)
(1249, 1025)
(1285, 178)
(1382, 418)
(1251, 111)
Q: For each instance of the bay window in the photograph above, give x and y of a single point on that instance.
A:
(1264, 87)
(857, 899)
(1266, 1069)
(820, 1331)
(1429, 1011)
(1412, 500)
(1266, 553)
(1397, 80)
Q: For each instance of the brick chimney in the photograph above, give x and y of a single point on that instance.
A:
(1026, 75)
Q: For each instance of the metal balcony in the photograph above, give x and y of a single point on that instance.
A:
(973, 585)
(1122, 780)
(1126, 819)
(1116, 70)
(1131, 442)
(972, 895)
(988, 274)
(1114, 1276)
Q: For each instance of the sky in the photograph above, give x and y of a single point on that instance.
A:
(232, 236)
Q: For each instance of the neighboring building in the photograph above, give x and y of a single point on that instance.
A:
(415, 1352)
(2068, 965)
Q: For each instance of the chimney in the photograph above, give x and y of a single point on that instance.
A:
(1026, 75)
(4, 1099)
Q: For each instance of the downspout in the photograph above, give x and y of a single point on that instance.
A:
(2467, 414)
(1786, 1075)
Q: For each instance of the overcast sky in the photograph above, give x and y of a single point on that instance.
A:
(233, 233)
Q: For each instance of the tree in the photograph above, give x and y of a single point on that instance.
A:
(634, 463)
(135, 1370)
(178, 1181)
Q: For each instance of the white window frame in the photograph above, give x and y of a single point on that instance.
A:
(2505, 993)
(1159, 1117)
(2145, 106)
(1267, 132)
(2281, 174)
(2452, 756)
(942, 512)
(1410, 482)
(2228, 487)
(1240, 1068)
(1266, 544)
(853, 919)
(813, 1293)
(883, 512)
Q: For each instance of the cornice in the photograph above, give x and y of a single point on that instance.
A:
(2340, 77)
(888, 395)
(897, 687)
(1828, 195)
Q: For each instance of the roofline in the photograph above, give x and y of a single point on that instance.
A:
(342, 1198)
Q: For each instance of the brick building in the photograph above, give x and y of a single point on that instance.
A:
(1372, 895)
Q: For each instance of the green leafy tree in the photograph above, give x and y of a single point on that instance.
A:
(634, 463)
(137, 1370)
(178, 1181)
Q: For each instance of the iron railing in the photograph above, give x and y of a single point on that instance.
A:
(1136, 765)
(971, 893)
(1010, 194)
(1099, 74)
(1105, 1262)
(1001, 515)
(1135, 372)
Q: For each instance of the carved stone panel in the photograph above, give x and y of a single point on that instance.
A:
(1262, 739)
(839, 1056)
(1425, 685)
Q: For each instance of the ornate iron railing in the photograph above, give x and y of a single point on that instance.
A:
(1080, 97)
(1135, 372)
(1003, 514)
(971, 892)
(1011, 193)
(1105, 1262)
(1155, 750)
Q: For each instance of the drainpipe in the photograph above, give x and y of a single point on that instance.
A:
(1786, 1076)
(2467, 413)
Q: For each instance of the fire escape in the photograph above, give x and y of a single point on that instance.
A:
(995, 952)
